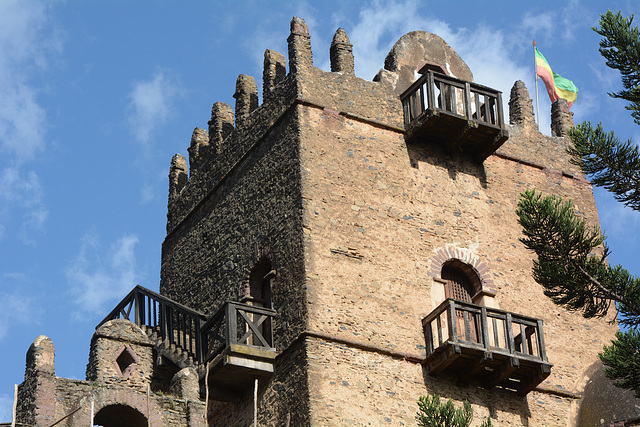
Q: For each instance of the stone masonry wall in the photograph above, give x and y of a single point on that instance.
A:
(378, 209)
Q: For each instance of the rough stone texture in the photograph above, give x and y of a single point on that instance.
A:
(36, 395)
(300, 57)
(561, 117)
(603, 400)
(521, 106)
(411, 52)
(115, 339)
(341, 53)
(185, 384)
(275, 70)
(199, 150)
(246, 98)
(178, 176)
(220, 125)
(45, 399)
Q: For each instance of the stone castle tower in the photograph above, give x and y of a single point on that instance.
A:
(338, 251)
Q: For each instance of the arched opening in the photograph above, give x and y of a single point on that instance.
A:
(119, 415)
(259, 294)
(462, 284)
(260, 284)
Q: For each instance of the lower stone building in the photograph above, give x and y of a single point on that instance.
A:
(340, 250)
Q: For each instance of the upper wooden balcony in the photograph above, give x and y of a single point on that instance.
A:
(460, 115)
(493, 346)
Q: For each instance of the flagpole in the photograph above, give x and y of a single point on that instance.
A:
(535, 73)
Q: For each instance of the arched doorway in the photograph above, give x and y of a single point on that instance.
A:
(119, 415)
(259, 294)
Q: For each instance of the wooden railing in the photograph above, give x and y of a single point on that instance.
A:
(456, 322)
(170, 320)
(236, 323)
(438, 92)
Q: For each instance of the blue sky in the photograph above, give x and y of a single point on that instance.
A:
(96, 96)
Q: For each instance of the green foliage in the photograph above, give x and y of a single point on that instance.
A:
(609, 163)
(567, 267)
(622, 360)
(432, 413)
(621, 48)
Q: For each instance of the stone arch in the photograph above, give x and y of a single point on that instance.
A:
(476, 271)
(112, 400)
(119, 415)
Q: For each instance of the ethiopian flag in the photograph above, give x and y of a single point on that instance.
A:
(557, 86)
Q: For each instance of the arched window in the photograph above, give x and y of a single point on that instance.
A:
(462, 284)
(462, 281)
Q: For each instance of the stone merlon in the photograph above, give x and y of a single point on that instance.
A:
(220, 125)
(246, 97)
(274, 71)
(300, 56)
(341, 53)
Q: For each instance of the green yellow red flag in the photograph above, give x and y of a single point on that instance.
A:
(557, 86)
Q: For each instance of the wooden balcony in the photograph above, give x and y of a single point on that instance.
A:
(237, 345)
(492, 346)
(459, 115)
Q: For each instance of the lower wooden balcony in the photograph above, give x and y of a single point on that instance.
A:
(494, 347)
(238, 349)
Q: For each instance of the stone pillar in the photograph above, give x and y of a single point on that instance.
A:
(177, 175)
(185, 384)
(198, 150)
(341, 53)
(521, 106)
(274, 71)
(300, 56)
(37, 394)
(561, 117)
(220, 125)
(246, 97)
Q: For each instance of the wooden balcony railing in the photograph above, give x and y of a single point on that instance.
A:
(233, 324)
(495, 346)
(464, 115)
(170, 320)
(236, 323)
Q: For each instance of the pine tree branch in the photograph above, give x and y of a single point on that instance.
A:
(609, 294)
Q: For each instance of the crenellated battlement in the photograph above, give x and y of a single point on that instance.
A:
(213, 156)
(229, 139)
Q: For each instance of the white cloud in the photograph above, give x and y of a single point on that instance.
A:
(28, 42)
(21, 191)
(98, 277)
(380, 26)
(17, 309)
(150, 103)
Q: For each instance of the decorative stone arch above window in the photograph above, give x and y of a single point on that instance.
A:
(481, 288)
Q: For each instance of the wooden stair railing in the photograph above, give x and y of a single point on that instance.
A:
(189, 330)
(171, 321)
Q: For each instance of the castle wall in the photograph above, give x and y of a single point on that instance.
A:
(357, 222)
(377, 212)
